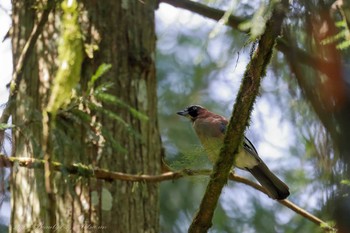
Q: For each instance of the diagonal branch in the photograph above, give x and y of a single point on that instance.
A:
(29, 46)
(234, 22)
(85, 171)
(22, 60)
(206, 11)
(243, 105)
(304, 57)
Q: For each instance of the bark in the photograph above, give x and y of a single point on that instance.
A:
(128, 44)
(124, 33)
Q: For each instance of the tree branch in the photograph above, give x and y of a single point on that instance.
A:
(29, 46)
(206, 11)
(285, 202)
(241, 112)
(22, 60)
(304, 57)
(88, 172)
(234, 22)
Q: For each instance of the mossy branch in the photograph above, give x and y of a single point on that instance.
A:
(102, 174)
(241, 112)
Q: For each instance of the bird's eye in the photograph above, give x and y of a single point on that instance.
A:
(193, 111)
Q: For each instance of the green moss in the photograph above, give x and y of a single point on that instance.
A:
(70, 57)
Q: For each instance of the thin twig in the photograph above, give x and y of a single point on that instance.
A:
(102, 174)
(307, 215)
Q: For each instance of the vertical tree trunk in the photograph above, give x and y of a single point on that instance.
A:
(28, 197)
(124, 33)
(128, 43)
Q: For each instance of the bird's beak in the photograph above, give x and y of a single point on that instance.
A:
(182, 113)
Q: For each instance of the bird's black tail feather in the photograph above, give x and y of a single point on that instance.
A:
(276, 188)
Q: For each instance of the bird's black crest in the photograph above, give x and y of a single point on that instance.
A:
(193, 110)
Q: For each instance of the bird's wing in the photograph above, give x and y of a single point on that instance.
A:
(222, 126)
(247, 145)
(211, 126)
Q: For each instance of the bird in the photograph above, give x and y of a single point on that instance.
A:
(210, 129)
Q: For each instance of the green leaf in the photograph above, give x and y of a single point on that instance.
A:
(101, 70)
(115, 117)
(341, 24)
(111, 140)
(109, 114)
(135, 186)
(334, 38)
(83, 116)
(108, 98)
(343, 45)
(105, 86)
(111, 99)
(137, 114)
(345, 182)
(328, 225)
(6, 126)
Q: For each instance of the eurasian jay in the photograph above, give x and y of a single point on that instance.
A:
(210, 129)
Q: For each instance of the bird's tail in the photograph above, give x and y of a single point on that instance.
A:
(276, 188)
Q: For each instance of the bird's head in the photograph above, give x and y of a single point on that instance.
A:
(192, 112)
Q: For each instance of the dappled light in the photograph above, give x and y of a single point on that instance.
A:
(93, 128)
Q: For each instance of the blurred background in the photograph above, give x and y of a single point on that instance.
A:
(201, 61)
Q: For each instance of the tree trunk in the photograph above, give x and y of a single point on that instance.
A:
(124, 33)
